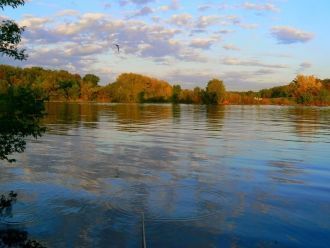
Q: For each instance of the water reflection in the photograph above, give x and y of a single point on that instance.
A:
(286, 172)
(134, 117)
(176, 110)
(17, 238)
(11, 236)
(67, 116)
(129, 117)
(308, 121)
(215, 116)
(203, 177)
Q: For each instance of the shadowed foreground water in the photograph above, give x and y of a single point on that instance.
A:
(234, 176)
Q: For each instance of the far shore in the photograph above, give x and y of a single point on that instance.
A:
(224, 104)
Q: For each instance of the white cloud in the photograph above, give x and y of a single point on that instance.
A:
(68, 12)
(191, 78)
(204, 7)
(143, 12)
(137, 2)
(83, 50)
(260, 7)
(233, 80)
(264, 72)
(231, 19)
(304, 66)
(246, 80)
(33, 23)
(236, 21)
(206, 21)
(181, 19)
(231, 47)
(290, 35)
(91, 35)
(174, 5)
(239, 62)
(202, 43)
(225, 31)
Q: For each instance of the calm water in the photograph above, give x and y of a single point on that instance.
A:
(234, 176)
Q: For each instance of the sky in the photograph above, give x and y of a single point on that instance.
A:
(248, 44)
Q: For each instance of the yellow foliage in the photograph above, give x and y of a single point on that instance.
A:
(131, 87)
(306, 84)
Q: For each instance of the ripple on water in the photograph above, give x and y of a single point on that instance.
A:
(167, 202)
(197, 173)
(19, 214)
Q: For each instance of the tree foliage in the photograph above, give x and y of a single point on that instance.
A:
(10, 33)
(305, 88)
(21, 107)
(91, 79)
(326, 84)
(11, 3)
(131, 87)
(176, 93)
(21, 110)
(215, 92)
(61, 85)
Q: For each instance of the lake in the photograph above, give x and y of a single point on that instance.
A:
(217, 176)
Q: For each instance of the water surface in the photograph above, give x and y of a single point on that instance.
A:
(233, 176)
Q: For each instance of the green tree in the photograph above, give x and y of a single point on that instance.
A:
(89, 87)
(326, 84)
(10, 33)
(324, 96)
(197, 95)
(65, 86)
(215, 92)
(91, 79)
(176, 93)
(20, 113)
(21, 108)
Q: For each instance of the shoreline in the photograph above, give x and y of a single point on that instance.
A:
(227, 104)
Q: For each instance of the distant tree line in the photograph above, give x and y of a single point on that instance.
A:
(306, 90)
(303, 89)
(60, 85)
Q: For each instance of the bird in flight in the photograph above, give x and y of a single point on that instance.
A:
(118, 47)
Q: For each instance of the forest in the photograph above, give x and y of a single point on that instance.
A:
(61, 85)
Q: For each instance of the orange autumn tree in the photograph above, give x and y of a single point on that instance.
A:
(131, 88)
(89, 87)
(305, 88)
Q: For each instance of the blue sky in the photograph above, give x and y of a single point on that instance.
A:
(248, 44)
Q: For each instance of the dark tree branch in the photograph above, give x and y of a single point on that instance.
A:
(11, 3)
(10, 33)
(10, 37)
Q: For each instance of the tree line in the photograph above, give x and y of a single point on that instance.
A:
(61, 85)
(302, 90)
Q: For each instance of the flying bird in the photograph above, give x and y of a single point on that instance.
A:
(118, 47)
